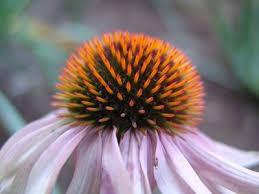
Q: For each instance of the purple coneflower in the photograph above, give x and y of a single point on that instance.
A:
(128, 107)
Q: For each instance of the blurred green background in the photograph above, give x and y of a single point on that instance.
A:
(221, 38)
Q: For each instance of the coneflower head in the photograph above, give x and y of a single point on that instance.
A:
(131, 81)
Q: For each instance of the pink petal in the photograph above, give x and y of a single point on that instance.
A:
(125, 147)
(240, 157)
(45, 171)
(19, 180)
(147, 160)
(216, 188)
(215, 168)
(87, 175)
(130, 150)
(237, 156)
(166, 178)
(115, 178)
(43, 122)
(28, 148)
(21, 164)
(6, 185)
(223, 190)
(182, 166)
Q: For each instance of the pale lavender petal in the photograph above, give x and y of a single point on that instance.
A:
(6, 185)
(215, 168)
(115, 178)
(46, 120)
(125, 147)
(87, 175)
(28, 148)
(216, 188)
(19, 180)
(222, 190)
(167, 180)
(27, 161)
(147, 160)
(182, 166)
(130, 150)
(45, 171)
(240, 157)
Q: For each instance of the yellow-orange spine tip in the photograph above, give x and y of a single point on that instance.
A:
(130, 80)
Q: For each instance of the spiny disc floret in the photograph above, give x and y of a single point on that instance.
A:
(130, 81)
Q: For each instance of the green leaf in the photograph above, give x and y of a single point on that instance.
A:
(9, 10)
(10, 117)
(241, 44)
(245, 22)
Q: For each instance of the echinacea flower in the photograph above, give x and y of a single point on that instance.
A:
(128, 108)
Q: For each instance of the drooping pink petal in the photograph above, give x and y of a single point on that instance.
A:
(20, 166)
(40, 123)
(182, 167)
(240, 157)
(216, 188)
(147, 160)
(167, 180)
(218, 170)
(125, 147)
(115, 178)
(19, 180)
(87, 175)
(130, 150)
(28, 148)
(5, 185)
(237, 156)
(45, 171)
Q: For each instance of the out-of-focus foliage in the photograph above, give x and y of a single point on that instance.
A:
(241, 44)
(9, 116)
(185, 39)
(9, 10)
(48, 44)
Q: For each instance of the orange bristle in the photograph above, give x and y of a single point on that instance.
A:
(130, 81)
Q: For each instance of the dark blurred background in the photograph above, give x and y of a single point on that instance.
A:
(221, 38)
